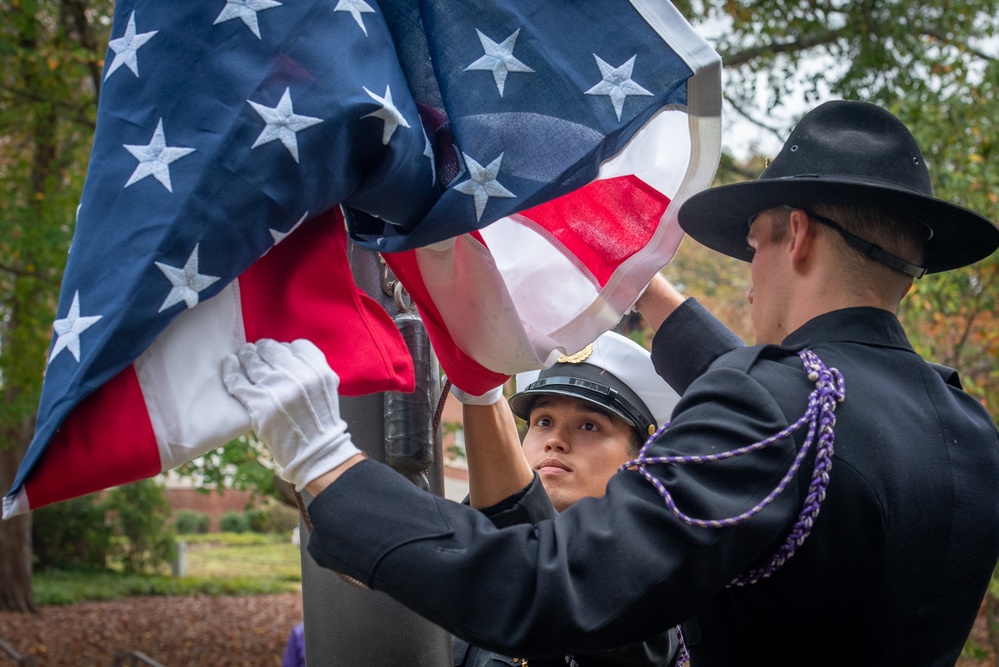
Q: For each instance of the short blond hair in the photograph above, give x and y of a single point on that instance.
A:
(898, 235)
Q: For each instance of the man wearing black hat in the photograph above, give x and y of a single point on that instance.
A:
(823, 497)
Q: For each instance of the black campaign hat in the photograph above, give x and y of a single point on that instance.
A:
(843, 152)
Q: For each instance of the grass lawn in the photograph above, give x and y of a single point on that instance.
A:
(217, 564)
(245, 555)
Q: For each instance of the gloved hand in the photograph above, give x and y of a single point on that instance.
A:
(488, 398)
(291, 394)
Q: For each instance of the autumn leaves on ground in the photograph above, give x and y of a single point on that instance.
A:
(176, 631)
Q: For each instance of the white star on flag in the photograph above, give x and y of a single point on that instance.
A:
(499, 59)
(155, 158)
(428, 152)
(245, 10)
(355, 7)
(186, 281)
(126, 47)
(281, 236)
(282, 123)
(69, 328)
(482, 183)
(617, 83)
(388, 113)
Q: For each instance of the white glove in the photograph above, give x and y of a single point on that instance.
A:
(488, 398)
(291, 394)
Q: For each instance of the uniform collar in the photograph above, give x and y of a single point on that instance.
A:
(870, 326)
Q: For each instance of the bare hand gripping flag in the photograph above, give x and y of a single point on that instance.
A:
(518, 163)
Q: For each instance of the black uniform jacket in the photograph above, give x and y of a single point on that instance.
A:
(892, 574)
(529, 506)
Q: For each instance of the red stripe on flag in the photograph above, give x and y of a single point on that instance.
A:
(602, 224)
(461, 369)
(106, 441)
(303, 288)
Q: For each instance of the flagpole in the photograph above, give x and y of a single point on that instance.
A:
(346, 625)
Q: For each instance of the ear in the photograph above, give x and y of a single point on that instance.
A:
(801, 238)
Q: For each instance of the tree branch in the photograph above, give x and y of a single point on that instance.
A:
(738, 58)
(78, 10)
(17, 271)
(777, 132)
(961, 46)
(73, 115)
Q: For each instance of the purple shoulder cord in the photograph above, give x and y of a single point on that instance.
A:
(821, 418)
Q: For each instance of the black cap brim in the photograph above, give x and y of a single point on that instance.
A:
(719, 217)
(589, 383)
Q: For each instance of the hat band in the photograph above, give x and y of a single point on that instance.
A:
(636, 415)
(871, 250)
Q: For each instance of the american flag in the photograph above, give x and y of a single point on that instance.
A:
(519, 164)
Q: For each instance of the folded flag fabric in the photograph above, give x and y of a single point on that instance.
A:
(631, 96)
(489, 149)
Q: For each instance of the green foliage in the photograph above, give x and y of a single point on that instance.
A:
(48, 101)
(50, 55)
(127, 527)
(62, 588)
(243, 463)
(234, 522)
(878, 51)
(952, 317)
(189, 522)
(72, 534)
(140, 514)
(272, 517)
(217, 564)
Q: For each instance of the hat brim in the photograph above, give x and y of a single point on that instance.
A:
(588, 383)
(719, 217)
(522, 403)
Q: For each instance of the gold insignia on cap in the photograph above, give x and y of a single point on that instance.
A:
(652, 429)
(577, 358)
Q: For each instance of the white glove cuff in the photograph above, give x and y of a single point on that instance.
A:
(312, 461)
(488, 398)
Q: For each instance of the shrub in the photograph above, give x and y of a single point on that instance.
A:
(234, 522)
(272, 517)
(71, 534)
(140, 515)
(189, 522)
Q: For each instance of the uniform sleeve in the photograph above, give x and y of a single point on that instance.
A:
(529, 505)
(688, 342)
(606, 572)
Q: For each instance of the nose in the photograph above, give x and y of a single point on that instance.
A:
(749, 296)
(556, 441)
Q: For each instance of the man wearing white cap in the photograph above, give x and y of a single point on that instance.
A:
(824, 497)
(587, 415)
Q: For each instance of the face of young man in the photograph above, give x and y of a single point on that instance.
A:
(575, 446)
(768, 297)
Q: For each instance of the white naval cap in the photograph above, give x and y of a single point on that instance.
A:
(613, 372)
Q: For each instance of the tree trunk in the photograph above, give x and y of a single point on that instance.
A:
(15, 544)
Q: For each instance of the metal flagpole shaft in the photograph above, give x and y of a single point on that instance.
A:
(345, 625)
